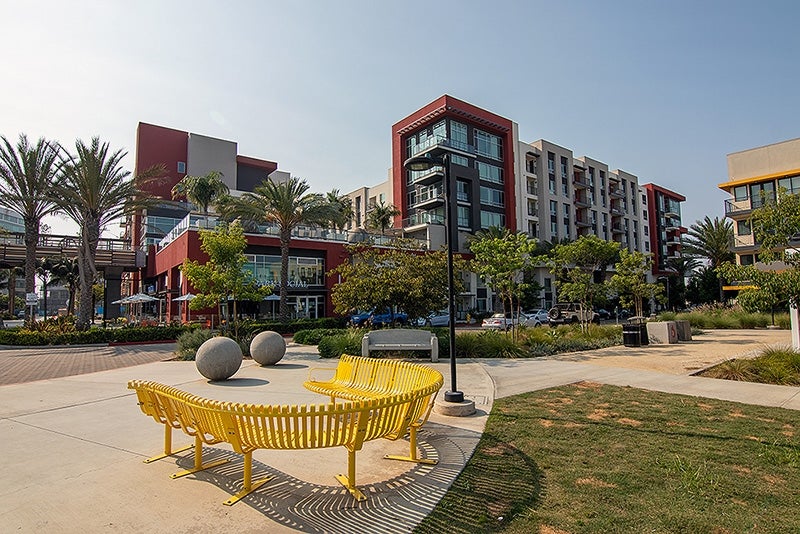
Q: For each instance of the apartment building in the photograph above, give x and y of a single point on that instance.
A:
(755, 176)
(539, 188)
(665, 227)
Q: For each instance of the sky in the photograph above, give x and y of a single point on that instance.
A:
(664, 90)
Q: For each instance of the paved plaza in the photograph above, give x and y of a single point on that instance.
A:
(74, 438)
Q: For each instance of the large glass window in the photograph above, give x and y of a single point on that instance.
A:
(458, 133)
(489, 218)
(302, 271)
(462, 191)
(740, 192)
(492, 197)
(489, 145)
(791, 184)
(459, 160)
(490, 173)
(762, 193)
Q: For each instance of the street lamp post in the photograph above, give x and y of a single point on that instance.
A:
(424, 163)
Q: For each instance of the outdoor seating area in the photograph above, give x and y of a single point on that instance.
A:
(400, 401)
(400, 339)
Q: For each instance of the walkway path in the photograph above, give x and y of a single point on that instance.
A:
(73, 445)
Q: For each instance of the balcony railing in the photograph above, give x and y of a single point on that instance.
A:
(740, 207)
(440, 141)
(423, 218)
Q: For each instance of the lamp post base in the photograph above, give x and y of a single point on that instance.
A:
(454, 409)
(454, 396)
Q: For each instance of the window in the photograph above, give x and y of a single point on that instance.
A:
(761, 194)
(792, 185)
(564, 163)
(492, 197)
(743, 228)
(551, 183)
(458, 133)
(740, 193)
(488, 145)
(553, 208)
(489, 173)
(489, 218)
(463, 217)
(459, 160)
(462, 191)
(181, 167)
(551, 163)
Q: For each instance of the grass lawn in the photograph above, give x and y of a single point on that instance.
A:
(593, 458)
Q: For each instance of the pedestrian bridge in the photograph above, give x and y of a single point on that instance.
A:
(110, 252)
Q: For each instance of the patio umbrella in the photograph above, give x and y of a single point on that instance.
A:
(186, 298)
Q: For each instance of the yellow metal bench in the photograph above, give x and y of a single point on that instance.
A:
(247, 427)
(358, 378)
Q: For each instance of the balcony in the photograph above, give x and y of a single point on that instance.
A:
(744, 242)
(440, 142)
(580, 182)
(583, 223)
(429, 197)
(581, 201)
(617, 229)
(421, 219)
(432, 175)
(616, 211)
(616, 192)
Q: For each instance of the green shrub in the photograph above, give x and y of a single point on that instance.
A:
(291, 327)
(189, 342)
(313, 336)
(346, 343)
(775, 365)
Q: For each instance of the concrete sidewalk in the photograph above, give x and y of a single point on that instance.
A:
(73, 445)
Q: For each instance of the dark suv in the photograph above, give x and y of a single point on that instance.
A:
(570, 313)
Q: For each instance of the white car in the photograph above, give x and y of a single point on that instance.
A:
(537, 317)
(438, 318)
(504, 321)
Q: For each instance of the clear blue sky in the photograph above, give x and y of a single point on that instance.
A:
(664, 90)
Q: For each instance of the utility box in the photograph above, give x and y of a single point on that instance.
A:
(663, 332)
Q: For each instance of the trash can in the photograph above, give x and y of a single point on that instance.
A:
(631, 335)
(639, 324)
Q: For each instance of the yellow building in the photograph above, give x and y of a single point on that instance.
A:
(754, 178)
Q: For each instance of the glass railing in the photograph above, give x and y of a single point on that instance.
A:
(438, 140)
(423, 218)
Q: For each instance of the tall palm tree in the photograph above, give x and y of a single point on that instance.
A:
(711, 240)
(381, 216)
(93, 190)
(65, 271)
(288, 205)
(27, 174)
(201, 191)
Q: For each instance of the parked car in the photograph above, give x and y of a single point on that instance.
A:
(605, 314)
(504, 321)
(437, 318)
(386, 317)
(359, 318)
(569, 313)
(537, 317)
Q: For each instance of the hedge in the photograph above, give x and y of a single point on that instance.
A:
(21, 337)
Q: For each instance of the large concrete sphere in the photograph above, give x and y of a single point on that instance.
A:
(218, 358)
(267, 348)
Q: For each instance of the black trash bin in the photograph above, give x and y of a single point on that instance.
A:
(631, 335)
(640, 325)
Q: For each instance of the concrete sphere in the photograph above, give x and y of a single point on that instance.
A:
(218, 358)
(267, 348)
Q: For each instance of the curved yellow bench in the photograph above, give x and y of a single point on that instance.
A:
(247, 427)
(359, 378)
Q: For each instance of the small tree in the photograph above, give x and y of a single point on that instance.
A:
(573, 265)
(202, 191)
(409, 278)
(499, 260)
(223, 275)
(381, 216)
(630, 280)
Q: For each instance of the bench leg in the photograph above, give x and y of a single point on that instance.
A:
(248, 486)
(349, 481)
(412, 457)
(167, 446)
(198, 461)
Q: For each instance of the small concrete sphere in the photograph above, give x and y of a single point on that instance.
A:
(218, 358)
(267, 348)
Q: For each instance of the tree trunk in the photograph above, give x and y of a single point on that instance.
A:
(285, 235)
(31, 240)
(90, 236)
(12, 290)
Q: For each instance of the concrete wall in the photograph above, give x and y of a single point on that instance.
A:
(765, 160)
(206, 154)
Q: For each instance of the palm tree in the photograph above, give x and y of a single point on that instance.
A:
(201, 191)
(65, 271)
(27, 175)
(93, 190)
(344, 208)
(711, 240)
(287, 205)
(381, 216)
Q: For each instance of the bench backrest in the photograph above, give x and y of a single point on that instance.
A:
(400, 335)
(248, 427)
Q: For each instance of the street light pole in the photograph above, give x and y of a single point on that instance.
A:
(423, 163)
